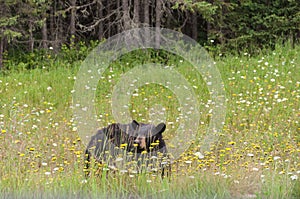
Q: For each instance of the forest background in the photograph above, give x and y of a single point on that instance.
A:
(222, 26)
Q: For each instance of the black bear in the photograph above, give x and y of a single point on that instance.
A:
(144, 143)
(151, 150)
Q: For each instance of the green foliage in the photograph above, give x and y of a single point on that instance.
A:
(256, 24)
(42, 156)
(6, 27)
(143, 56)
(76, 51)
(232, 25)
(206, 9)
(69, 56)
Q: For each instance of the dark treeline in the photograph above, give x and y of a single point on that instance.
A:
(245, 25)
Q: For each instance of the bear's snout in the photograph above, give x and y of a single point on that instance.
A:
(141, 141)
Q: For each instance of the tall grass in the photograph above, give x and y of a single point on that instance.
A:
(257, 154)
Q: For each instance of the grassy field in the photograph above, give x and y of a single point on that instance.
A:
(257, 154)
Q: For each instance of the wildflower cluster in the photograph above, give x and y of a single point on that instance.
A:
(260, 138)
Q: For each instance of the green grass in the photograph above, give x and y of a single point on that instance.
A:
(257, 154)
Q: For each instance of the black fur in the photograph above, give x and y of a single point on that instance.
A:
(104, 146)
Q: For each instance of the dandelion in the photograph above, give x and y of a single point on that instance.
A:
(123, 145)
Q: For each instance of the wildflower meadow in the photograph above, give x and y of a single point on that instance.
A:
(257, 154)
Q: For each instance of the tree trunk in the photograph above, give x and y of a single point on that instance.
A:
(126, 16)
(158, 10)
(44, 34)
(136, 15)
(31, 39)
(110, 25)
(209, 31)
(146, 20)
(59, 34)
(72, 20)
(194, 26)
(1, 52)
(118, 25)
(52, 24)
(100, 17)
(146, 13)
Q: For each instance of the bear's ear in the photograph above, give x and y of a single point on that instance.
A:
(160, 128)
(135, 124)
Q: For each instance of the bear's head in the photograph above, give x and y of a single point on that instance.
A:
(148, 137)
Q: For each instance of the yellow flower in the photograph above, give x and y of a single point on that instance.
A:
(17, 141)
(3, 131)
(123, 145)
